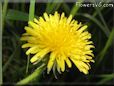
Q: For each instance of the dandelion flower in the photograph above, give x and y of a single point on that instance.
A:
(65, 40)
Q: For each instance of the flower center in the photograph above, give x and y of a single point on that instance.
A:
(59, 39)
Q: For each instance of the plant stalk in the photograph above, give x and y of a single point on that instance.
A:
(1, 81)
(33, 76)
(31, 10)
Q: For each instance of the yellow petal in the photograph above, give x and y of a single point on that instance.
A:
(30, 31)
(36, 21)
(88, 57)
(92, 61)
(84, 65)
(58, 68)
(84, 34)
(41, 20)
(62, 64)
(88, 47)
(82, 28)
(62, 15)
(59, 64)
(35, 58)
(76, 64)
(81, 66)
(41, 54)
(86, 37)
(32, 50)
(51, 61)
(68, 62)
(27, 45)
(69, 19)
(32, 24)
(84, 71)
(46, 16)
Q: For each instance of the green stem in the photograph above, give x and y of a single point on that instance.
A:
(4, 12)
(0, 43)
(31, 77)
(28, 58)
(31, 10)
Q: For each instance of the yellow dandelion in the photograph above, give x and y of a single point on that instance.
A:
(64, 39)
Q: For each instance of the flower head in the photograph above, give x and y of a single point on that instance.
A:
(64, 39)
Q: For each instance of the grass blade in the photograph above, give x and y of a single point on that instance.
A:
(75, 8)
(4, 12)
(1, 43)
(108, 44)
(31, 9)
(10, 58)
(53, 6)
(48, 5)
(66, 8)
(102, 19)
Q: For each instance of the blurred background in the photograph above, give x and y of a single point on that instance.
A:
(100, 19)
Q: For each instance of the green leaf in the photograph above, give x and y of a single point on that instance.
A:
(17, 15)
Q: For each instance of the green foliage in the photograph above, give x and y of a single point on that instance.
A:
(16, 15)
